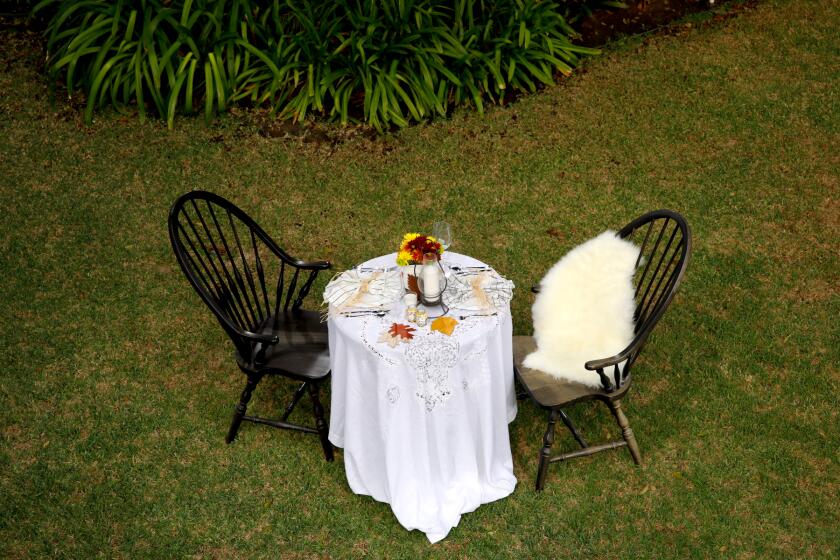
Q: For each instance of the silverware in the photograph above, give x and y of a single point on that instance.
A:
(375, 268)
(462, 317)
(469, 272)
(471, 268)
(379, 313)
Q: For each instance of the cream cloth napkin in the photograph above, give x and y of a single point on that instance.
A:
(352, 289)
(484, 291)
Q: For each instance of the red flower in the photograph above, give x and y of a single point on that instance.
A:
(421, 245)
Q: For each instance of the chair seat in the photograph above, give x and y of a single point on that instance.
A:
(549, 391)
(302, 351)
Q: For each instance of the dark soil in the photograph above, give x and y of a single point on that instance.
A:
(638, 17)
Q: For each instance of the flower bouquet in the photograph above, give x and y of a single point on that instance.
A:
(414, 246)
(412, 249)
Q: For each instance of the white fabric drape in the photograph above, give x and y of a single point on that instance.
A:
(424, 425)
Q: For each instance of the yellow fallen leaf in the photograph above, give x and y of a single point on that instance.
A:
(445, 325)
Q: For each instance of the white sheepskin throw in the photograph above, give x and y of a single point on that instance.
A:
(584, 310)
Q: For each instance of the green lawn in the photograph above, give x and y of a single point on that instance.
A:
(117, 384)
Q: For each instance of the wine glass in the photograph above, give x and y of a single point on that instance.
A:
(443, 233)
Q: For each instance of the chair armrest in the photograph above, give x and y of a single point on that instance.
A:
(264, 338)
(288, 259)
(600, 365)
(312, 265)
(261, 343)
(635, 344)
(603, 363)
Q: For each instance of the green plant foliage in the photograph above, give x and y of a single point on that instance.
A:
(384, 62)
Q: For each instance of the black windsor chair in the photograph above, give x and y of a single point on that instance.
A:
(232, 263)
(665, 241)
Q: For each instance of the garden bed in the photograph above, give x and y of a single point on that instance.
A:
(597, 29)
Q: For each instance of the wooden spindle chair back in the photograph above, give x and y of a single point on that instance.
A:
(255, 290)
(664, 239)
(236, 268)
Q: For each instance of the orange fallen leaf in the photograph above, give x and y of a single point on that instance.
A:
(445, 325)
(402, 331)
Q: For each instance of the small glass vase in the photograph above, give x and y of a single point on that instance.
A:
(409, 278)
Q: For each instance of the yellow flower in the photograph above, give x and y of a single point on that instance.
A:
(403, 257)
(408, 237)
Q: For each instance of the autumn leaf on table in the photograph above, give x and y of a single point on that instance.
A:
(396, 334)
(445, 325)
(402, 331)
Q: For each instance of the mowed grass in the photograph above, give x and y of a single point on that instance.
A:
(117, 384)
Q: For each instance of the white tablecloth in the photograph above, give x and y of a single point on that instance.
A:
(424, 426)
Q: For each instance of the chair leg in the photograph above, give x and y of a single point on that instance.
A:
(320, 423)
(239, 411)
(295, 399)
(517, 385)
(569, 424)
(545, 454)
(626, 432)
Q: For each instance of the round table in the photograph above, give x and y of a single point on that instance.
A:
(424, 425)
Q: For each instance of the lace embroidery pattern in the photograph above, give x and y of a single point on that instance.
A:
(369, 346)
(431, 358)
(478, 366)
